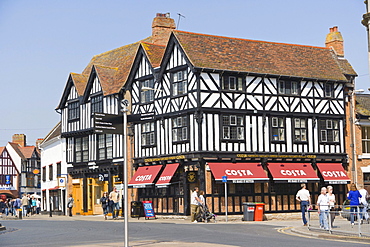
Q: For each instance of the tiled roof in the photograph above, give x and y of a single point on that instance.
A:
(121, 59)
(251, 56)
(27, 151)
(80, 81)
(106, 77)
(363, 104)
(1, 150)
(16, 148)
(346, 67)
(154, 53)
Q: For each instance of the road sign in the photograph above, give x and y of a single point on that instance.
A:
(7, 179)
(104, 177)
(108, 124)
(62, 182)
(224, 179)
(125, 103)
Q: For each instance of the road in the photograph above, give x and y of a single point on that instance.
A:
(64, 231)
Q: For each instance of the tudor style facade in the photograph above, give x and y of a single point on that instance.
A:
(9, 175)
(267, 115)
(217, 101)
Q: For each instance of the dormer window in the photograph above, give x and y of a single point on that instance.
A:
(97, 104)
(232, 83)
(289, 87)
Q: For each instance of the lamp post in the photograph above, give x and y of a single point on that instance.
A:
(124, 104)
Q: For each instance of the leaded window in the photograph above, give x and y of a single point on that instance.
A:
(82, 149)
(180, 82)
(329, 130)
(232, 83)
(180, 129)
(105, 146)
(147, 91)
(232, 127)
(289, 87)
(300, 130)
(329, 90)
(147, 134)
(97, 104)
(278, 128)
(73, 110)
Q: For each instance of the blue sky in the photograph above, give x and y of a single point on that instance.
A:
(42, 41)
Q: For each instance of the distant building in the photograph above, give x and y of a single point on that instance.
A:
(9, 175)
(54, 172)
(27, 161)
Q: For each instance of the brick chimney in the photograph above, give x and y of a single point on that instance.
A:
(20, 139)
(38, 142)
(334, 40)
(161, 28)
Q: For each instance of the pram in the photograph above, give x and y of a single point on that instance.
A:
(205, 215)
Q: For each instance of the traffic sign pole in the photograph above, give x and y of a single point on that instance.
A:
(224, 179)
(124, 104)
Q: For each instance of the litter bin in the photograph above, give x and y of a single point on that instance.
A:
(137, 209)
(259, 211)
(248, 211)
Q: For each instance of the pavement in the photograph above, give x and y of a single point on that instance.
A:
(292, 225)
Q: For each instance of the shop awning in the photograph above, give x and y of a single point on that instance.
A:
(239, 172)
(167, 174)
(333, 173)
(144, 176)
(292, 172)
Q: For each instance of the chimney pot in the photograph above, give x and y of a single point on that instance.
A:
(334, 40)
(162, 27)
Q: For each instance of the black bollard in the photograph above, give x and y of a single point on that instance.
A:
(51, 213)
(20, 213)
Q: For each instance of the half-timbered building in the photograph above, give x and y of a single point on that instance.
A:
(9, 175)
(266, 115)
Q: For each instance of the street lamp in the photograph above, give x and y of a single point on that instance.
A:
(124, 104)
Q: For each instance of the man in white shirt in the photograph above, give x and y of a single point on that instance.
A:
(323, 208)
(363, 201)
(115, 197)
(194, 204)
(303, 195)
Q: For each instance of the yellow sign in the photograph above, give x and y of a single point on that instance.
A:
(36, 171)
(276, 156)
(179, 157)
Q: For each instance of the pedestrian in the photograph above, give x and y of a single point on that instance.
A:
(24, 204)
(303, 196)
(29, 207)
(354, 197)
(34, 205)
(104, 203)
(7, 206)
(38, 206)
(17, 205)
(2, 207)
(115, 197)
(363, 201)
(70, 203)
(201, 198)
(194, 205)
(323, 208)
(332, 202)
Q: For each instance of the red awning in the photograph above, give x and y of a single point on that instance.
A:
(144, 175)
(239, 172)
(167, 174)
(292, 172)
(333, 173)
(55, 188)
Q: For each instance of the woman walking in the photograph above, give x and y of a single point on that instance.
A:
(104, 203)
(354, 196)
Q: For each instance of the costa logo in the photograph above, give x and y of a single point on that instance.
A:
(164, 178)
(334, 174)
(143, 178)
(293, 173)
(239, 172)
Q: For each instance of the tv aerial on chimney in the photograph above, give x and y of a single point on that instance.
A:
(178, 22)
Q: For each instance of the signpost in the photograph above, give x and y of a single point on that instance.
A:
(124, 104)
(107, 124)
(224, 180)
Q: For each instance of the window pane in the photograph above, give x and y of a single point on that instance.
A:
(329, 124)
(294, 87)
(226, 133)
(174, 135)
(239, 121)
(184, 133)
(323, 135)
(232, 83)
(281, 87)
(225, 120)
(281, 135)
(336, 135)
(303, 123)
(240, 133)
(274, 122)
(281, 122)
(303, 135)
(232, 120)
